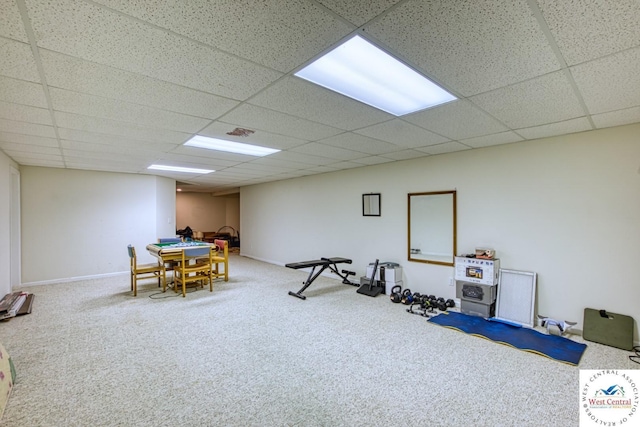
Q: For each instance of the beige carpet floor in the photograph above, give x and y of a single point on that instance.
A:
(248, 354)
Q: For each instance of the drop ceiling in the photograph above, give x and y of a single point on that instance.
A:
(116, 85)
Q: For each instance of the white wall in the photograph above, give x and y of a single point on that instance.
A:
(204, 212)
(5, 223)
(567, 208)
(166, 207)
(78, 223)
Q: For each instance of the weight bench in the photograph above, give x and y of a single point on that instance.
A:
(322, 264)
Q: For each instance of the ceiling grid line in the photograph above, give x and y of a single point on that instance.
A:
(108, 85)
(24, 14)
(563, 64)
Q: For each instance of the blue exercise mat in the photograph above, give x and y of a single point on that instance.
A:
(552, 346)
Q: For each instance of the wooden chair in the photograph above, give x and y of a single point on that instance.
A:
(144, 271)
(195, 266)
(221, 257)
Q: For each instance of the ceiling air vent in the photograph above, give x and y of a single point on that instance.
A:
(241, 132)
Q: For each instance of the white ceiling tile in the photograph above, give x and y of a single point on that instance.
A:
(75, 74)
(220, 130)
(220, 177)
(24, 157)
(323, 150)
(209, 179)
(174, 175)
(89, 105)
(468, 45)
(240, 172)
(373, 160)
(296, 174)
(447, 147)
(489, 140)
(264, 169)
(17, 61)
(588, 29)
(259, 180)
(257, 118)
(135, 80)
(104, 165)
(28, 148)
(115, 141)
(206, 154)
(301, 158)
(22, 92)
(322, 169)
(47, 163)
(123, 150)
(280, 38)
(570, 126)
(542, 100)
(11, 21)
(102, 155)
(346, 165)
(617, 118)
(12, 126)
(117, 129)
(25, 113)
(280, 163)
(19, 138)
(402, 134)
(610, 83)
(97, 34)
(360, 143)
(358, 11)
(406, 155)
(456, 120)
(306, 100)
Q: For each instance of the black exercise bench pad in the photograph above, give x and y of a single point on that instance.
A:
(321, 264)
(317, 262)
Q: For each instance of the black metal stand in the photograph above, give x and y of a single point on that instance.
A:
(369, 289)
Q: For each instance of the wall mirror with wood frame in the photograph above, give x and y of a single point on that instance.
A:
(432, 227)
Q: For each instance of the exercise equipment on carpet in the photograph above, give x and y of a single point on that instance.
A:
(322, 264)
(440, 303)
(421, 306)
(562, 325)
(612, 329)
(425, 305)
(371, 289)
(395, 296)
(408, 297)
(553, 346)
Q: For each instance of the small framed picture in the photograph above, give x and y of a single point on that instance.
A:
(371, 204)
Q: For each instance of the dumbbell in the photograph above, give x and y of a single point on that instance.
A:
(444, 305)
(410, 298)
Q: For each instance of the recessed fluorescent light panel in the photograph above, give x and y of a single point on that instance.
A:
(229, 146)
(364, 72)
(179, 169)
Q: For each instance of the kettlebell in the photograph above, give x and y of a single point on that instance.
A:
(407, 297)
(395, 295)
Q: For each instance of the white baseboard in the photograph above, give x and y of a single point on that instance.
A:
(72, 279)
(268, 261)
